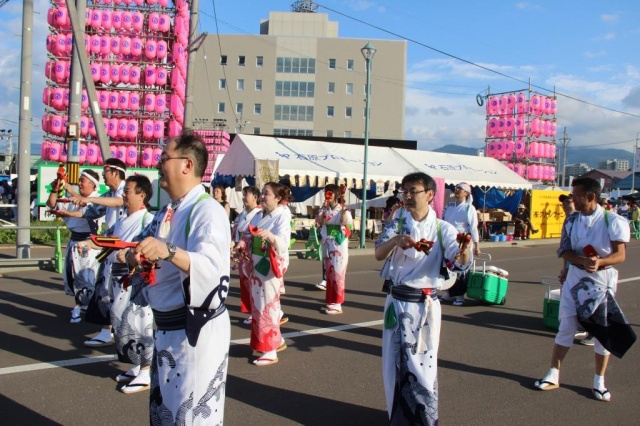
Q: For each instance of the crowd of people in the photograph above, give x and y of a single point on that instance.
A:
(156, 285)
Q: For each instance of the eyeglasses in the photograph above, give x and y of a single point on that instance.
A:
(165, 159)
(411, 193)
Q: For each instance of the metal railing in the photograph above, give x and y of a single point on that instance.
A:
(57, 259)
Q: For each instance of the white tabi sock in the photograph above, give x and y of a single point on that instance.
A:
(105, 334)
(598, 382)
(552, 376)
(133, 371)
(143, 378)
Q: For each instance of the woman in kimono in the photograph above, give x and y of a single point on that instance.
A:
(130, 314)
(335, 222)
(268, 242)
(250, 197)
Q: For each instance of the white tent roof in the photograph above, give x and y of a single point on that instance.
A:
(332, 160)
(456, 168)
(311, 158)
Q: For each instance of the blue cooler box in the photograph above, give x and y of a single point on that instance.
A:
(488, 284)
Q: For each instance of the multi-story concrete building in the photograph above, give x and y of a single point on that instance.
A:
(615, 164)
(298, 78)
(576, 170)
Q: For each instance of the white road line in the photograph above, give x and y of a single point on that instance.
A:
(108, 358)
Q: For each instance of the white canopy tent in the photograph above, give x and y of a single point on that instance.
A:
(310, 160)
(456, 168)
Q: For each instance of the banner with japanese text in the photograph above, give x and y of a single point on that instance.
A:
(266, 171)
(546, 213)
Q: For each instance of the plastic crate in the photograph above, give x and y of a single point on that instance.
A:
(487, 283)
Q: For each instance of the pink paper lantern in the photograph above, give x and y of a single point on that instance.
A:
(103, 99)
(124, 73)
(150, 49)
(121, 152)
(134, 101)
(114, 73)
(116, 19)
(149, 102)
(105, 73)
(138, 20)
(54, 151)
(105, 45)
(123, 100)
(112, 128)
(134, 75)
(106, 19)
(127, 20)
(113, 100)
(150, 75)
(132, 156)
(44, 150)
(55, 125)
(154, 21)
(157, 153)
(92, 153)
(161, 103)
(82, 154)
(114, 151)
(132, 129)
(63, 153)
(96, 19)
(84, 126)
(92, 127)
(147, 157)
(115, 45)
(165, 21)
(161, 49)
(136, 47)
(147, 129)
(158, 129)
(161, 76)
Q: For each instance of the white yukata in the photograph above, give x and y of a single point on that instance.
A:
(335, 252)
(131, 315)
(464, 218)
(98, 310)
(244, 265)
(189, 368)
(411, 333)
(79, 272)
(265, 285)
(579, 231)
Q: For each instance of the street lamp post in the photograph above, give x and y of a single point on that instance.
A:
(368, 51)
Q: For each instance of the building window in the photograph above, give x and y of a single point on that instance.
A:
(329, 133)
(259, 61)
(332, 64)
(220, 107)
(347, 134)
(223, 59)
(329, 111)
(296, 65)
(239, 108)
(349, 64)
(241, 61)
(240, 85)
(258, 85)
(296, 89)
(293, 113)
(256, 130)
(349, 88)
(331, 88)
(348, 112)
(257, 109)
(222, 84)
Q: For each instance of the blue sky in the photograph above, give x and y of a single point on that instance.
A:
(587, 50)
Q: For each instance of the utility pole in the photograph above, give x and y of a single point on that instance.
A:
(565, 141)
(633, 168)
(23, 237)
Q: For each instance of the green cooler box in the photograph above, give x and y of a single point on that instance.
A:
(487, 283)
(551, 305)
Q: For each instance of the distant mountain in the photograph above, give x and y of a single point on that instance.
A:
(591, 156)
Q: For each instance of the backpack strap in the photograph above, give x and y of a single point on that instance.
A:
(144, 216)
(187, 229)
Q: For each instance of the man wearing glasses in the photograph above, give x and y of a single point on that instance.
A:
(191, 239)
(411, 333)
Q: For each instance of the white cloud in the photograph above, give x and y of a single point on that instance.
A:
(605, 37)
(527, 6)
(591, 55)
(611, 18)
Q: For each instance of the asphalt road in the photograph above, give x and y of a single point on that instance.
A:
(330, 374)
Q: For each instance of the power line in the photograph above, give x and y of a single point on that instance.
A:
(476, 64)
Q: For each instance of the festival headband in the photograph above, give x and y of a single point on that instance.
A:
(116, 167)
(464, 186)
(91, 178)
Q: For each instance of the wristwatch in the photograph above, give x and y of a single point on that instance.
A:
(172, 251)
